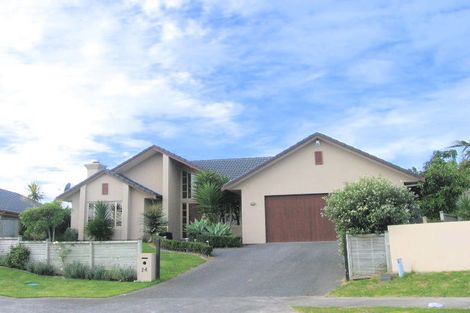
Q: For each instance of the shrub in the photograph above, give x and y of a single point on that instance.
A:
(122, 274)
(197, 227)
(219, 229)
(100, 273)
(77, 270)
(219, 241)
(81, 271)
(69, 234)
(40, 268)
(3, 260)
(18, 257)
(463, 207)
(369, 206)
(154, 222)
(101, 226)
(186, 246)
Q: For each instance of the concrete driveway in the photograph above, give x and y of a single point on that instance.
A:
(278, 270)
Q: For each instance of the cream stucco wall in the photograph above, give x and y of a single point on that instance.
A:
(431, 247)
(297, 173)
(148, 173)
(174, 198)
(136, 214)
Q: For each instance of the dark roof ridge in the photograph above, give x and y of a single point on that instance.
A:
(242, 158)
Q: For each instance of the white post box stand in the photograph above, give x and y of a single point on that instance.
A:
(146, 267)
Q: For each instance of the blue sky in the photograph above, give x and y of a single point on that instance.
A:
(82, 80)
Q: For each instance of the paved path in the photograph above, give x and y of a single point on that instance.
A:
(293, 269)
(126, 304)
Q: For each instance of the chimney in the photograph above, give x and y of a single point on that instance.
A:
(94, 167)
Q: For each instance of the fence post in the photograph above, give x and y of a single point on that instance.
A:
(92, 255)
(346, 253)
(387, 252)
(47, 252)
(139, 248)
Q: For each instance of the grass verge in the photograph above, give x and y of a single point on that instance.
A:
(375, 310)
(444, 284)
(14, 283)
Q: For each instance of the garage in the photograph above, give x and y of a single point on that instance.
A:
(291, 218)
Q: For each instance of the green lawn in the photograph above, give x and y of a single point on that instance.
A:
(376, 310)
(445, 284)
(13, 283)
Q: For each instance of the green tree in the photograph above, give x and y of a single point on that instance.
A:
(154, 221)
(215, 204)
(34, 192)
(42, 221)
(101, 226)
(368, 206)
(445, 180)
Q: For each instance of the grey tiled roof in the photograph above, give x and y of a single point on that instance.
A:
(14, 202)
(232, 168)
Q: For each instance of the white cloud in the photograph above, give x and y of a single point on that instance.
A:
(74, 83)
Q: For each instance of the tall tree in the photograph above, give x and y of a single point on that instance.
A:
(43, 221)
(444, 182)
(34, 192)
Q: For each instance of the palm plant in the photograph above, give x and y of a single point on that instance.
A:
(154, 221)
(465, 145)
(215, 204)
(101, 226)
(34, 192)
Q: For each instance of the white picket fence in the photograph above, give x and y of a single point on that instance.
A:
(109, 254)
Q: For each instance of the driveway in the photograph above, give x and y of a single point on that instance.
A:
(259, 278)
(278, 270)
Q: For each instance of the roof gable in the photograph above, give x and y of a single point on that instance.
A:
(285, 153)
(114, 174)
(144, 154)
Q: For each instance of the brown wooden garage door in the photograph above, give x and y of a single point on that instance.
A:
(297, 218)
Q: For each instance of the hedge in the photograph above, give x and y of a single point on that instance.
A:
(186, 246)
(219, 241)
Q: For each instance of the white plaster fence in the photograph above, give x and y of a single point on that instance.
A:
(427, 247)
(92, 253)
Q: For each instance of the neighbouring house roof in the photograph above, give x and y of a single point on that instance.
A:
(119, 176)
(306, 140)
(13, 202)
(232, 168)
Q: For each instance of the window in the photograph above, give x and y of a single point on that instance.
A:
(104, 189)
(318, 158)
(184, 218)
(115, 211)
(186, 185)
